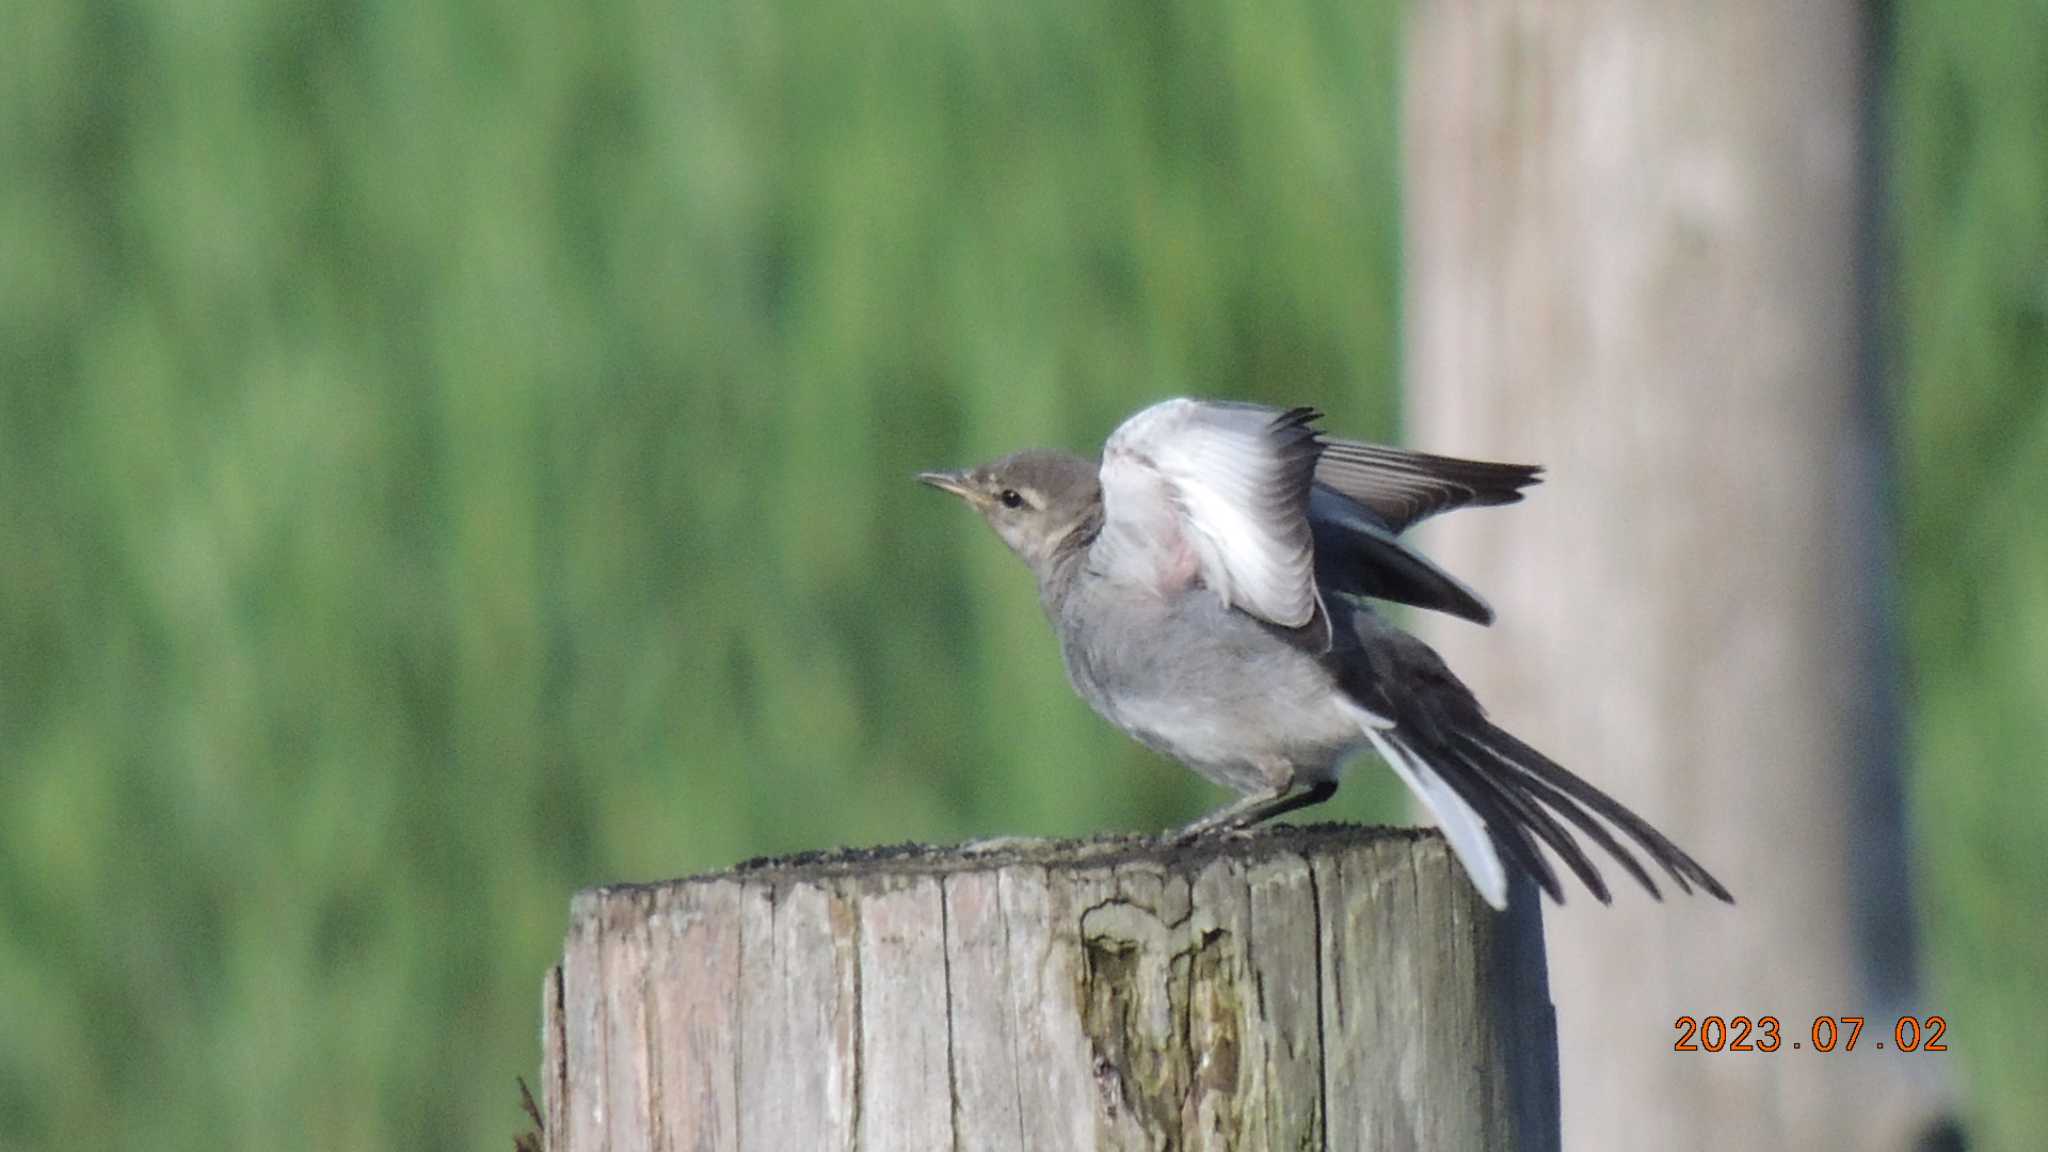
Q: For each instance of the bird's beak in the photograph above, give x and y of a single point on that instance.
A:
(954, 482)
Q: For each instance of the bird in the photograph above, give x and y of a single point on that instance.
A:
(1209, 579)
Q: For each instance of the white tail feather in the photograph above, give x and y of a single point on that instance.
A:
(1461, 825)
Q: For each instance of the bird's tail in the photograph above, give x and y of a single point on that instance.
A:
(1496, 798)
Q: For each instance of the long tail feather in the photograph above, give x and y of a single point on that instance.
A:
(1528, 811)
(1496, 798)
(1463, 826)
(1682, 868)
(1559, 802)
(1496, 809)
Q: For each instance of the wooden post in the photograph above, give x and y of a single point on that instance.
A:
(1641, 252)
(1301, 988)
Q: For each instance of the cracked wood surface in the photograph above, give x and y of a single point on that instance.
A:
(1319, 988)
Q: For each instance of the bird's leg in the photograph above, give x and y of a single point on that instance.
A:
(1260, 807)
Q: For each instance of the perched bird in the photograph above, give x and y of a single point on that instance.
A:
(1207, 581)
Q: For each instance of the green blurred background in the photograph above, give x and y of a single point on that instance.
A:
(451, 455)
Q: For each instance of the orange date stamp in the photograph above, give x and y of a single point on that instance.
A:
(1826, 1034)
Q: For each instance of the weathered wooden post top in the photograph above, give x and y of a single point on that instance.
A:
(1319, 988)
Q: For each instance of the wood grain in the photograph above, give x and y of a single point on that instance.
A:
(1298, 989)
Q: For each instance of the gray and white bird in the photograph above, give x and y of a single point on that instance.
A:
(1207, 579)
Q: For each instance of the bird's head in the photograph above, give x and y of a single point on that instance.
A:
(1034, 500)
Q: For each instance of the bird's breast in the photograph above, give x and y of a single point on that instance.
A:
(1196, 680)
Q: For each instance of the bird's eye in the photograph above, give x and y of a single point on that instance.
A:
(1011, 498)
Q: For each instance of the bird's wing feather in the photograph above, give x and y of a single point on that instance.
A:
(1220, 492)
(1356, 553)
(1404, 487)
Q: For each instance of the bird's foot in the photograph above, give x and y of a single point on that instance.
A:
(1237, 816)
(1189, 833)
(1242, 815)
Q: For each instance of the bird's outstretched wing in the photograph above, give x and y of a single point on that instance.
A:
(1366, 495)
(1218, 493)
(1357, 554)
(1402, 487)
(1254, 503)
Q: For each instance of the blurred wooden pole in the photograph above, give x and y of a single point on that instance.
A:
(1640, 252)
(1328, 988)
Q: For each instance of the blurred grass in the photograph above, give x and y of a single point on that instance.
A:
(1970, 174)
(452, 455)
